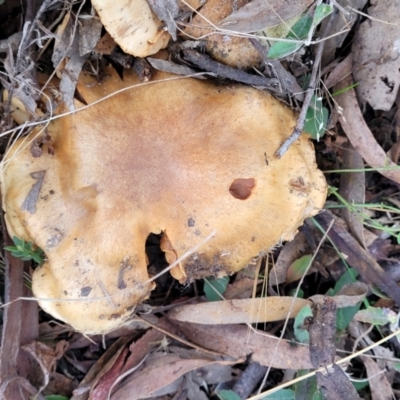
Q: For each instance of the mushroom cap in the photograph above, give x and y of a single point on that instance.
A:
(178, 156)
(133, 25)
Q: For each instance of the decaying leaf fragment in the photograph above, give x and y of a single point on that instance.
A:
(181, 157)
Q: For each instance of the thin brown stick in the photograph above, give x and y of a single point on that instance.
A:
(223, 71)
(310, 91)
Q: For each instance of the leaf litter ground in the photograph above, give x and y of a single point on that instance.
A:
(342, 267)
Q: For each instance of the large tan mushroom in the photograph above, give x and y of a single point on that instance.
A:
(180, 156)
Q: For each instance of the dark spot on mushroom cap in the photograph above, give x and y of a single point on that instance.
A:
(85, 291)
(241, 188)
(191, 222)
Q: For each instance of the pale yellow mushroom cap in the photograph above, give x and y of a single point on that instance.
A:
(184, 157)
(133, 25)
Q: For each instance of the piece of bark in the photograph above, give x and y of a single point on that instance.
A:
(20, 326)
(334, 384)
(322, 333)
(249, 379)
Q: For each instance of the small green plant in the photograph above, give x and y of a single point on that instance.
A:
(25, 251)
(364, 218)
(316, 118)
(214, 288)
(300, 32)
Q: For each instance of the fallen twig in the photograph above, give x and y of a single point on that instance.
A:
(208, 64)
(310, 91)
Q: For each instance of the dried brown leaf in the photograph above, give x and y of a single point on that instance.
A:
(360, 135)
(238, 342)
(381, 389)
(376, 47)
(241, 289)
(66, 54)
(102, 365)
(159, 371)
(341, 21)
(341, 70)
(357, 257)
(166, 11)
(239, 311)
(46, 357)
(169, 66)
(104, 384)
(261, 14)
(350, 295)
(89, 34)
(352, 189)
(290, 252)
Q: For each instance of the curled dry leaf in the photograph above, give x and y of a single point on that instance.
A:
(67, 58)
(352, 188)
(381, 389)
(131, 166)
(239, 311)
(376, 55)
(101, 367)
(258, 15)
(342, 21)
(350, 295)
(360, 135)
(167, 11)
(170, 66)
(158, 372)
(289, 253)
(89, 34)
